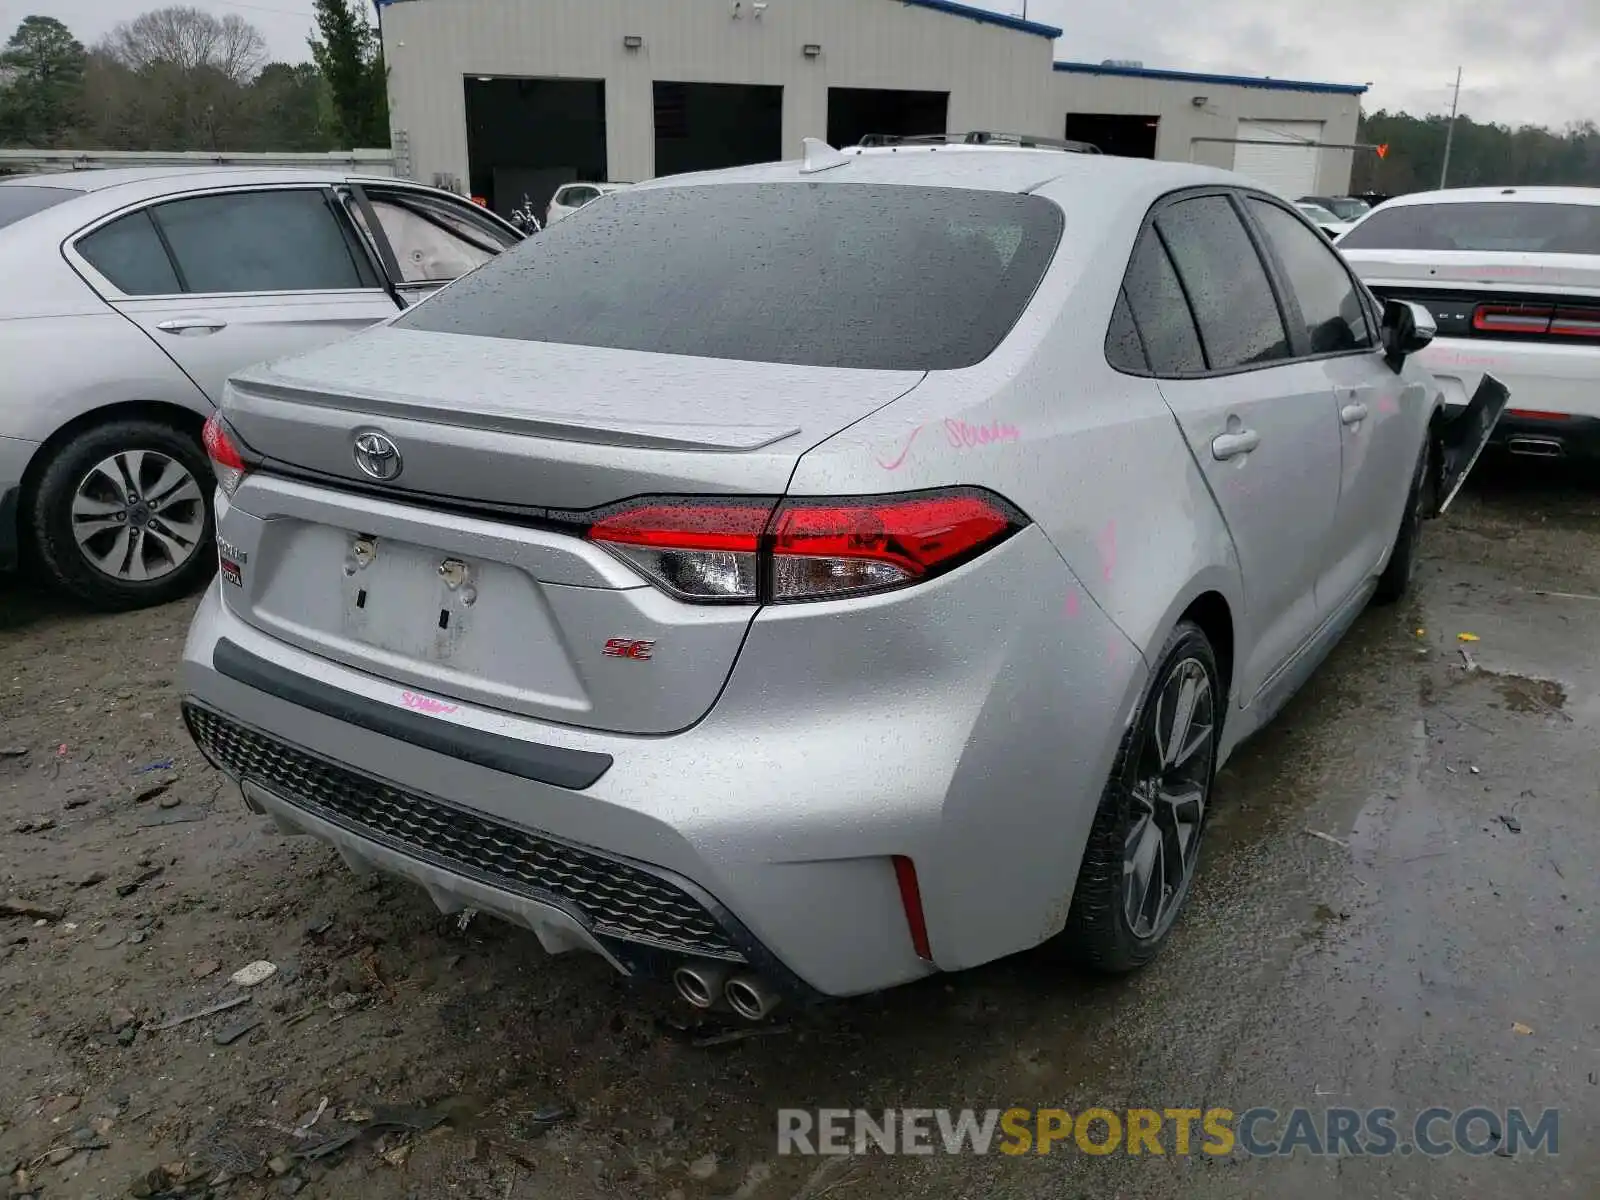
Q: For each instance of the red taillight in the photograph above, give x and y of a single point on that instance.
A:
(837, 547)
(1537, 414)
(905, 874)
(1576, 323)
(742, 551)
(1512, 318)
(705, 550)
(226, 462)
(1538, 320)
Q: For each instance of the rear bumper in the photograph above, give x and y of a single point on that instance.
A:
(1542, 378)
(640, 919)
(1532, 436)
(767, 831)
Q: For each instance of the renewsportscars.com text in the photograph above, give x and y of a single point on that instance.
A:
(1257, 1132)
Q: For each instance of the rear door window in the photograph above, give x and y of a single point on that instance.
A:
(433, 240)
(577, 197)
(1512, 226)
(1329, 304)
(129, 253)
(1226, 283)
(20, 200)
(1161, 312)
(275, 241)
(821, 274)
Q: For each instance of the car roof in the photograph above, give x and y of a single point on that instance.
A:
(1501, 195)
(986, 168)
(164, 180)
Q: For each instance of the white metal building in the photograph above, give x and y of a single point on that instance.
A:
(507, 99)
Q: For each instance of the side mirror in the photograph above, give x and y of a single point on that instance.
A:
(1407, 328)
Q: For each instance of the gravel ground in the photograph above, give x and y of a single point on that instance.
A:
(464, 1062)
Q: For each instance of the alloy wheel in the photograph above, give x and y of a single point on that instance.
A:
(138, 515)
(1168, 798)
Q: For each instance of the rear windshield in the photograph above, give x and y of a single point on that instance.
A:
(815, 274)
(20, 200)
(1345, 208)
(1511, 227)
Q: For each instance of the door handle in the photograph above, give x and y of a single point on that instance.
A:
(1231, 445)
(191, 325)
(1353, 414)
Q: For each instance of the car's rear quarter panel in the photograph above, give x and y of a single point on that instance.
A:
(1097, 462)
(110, 361)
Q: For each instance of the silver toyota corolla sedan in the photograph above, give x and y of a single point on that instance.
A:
(127, 297)
(801, 579)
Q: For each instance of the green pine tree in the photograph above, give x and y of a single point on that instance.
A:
(349, 53)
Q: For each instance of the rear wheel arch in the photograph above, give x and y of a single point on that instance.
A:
(185, 420)
(1210, 610)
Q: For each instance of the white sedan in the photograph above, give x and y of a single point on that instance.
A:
(570, 197)
(1323, 218)
(1512, 278)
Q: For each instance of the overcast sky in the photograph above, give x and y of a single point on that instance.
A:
(1525, 60)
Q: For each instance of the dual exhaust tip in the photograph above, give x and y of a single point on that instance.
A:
(1536, 447)
(705, 984)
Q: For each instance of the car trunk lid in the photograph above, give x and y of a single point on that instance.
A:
(1456, 270)
(463, 578)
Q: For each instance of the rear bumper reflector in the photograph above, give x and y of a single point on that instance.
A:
(905, 874)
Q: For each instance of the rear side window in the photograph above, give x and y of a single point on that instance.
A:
(1511, 227)
(433, 240)
(279, 241)
(1157, 304)
(1226, 283)
(129, 253)
(23, 200)
(818, 274)
(1329, 303)
(577, 197)
(1124, 350)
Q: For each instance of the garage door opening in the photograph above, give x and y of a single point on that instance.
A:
(855, 112)
(706, 126)
(526, 137)
(1282, 155)
(1115, 133)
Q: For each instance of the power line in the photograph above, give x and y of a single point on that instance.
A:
(287, 12)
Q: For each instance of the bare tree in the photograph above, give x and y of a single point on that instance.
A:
(188, 39)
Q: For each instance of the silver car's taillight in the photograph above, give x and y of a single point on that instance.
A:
(227, 464)
(714, 550)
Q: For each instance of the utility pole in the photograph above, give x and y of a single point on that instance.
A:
(1450, 134)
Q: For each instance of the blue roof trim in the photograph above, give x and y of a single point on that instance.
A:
(1252, 81)
(985, 17)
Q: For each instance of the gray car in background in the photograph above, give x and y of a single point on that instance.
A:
(805, 578)
(128, 296)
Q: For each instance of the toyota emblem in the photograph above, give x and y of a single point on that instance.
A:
(377, 456)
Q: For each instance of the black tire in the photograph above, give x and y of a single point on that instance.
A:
(1099, 932)
(50, 521)
(1396, 579)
